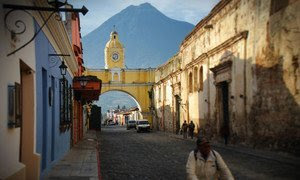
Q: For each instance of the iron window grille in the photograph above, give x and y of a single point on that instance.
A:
(14, 106)
(66, 96)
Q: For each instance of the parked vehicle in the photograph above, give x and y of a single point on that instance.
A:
(142, 125)
(131, 124)
(111, 122)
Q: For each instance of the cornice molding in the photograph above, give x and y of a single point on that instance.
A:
(57, 35)
(125, 84)
(222, 46)
(168, 77)
(220, 67)
(221, 5)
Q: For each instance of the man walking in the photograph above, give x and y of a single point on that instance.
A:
(205, 163)
(191, 129)
(184, 129)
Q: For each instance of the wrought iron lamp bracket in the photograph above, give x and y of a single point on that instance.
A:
(20, 26)
(54, 61)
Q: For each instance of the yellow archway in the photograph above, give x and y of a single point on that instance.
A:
(135, 82)
(127, 93)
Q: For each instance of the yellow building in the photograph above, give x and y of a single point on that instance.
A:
(114, 52)
(115, 77)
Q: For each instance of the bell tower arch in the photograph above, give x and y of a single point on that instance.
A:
(115, 77)
(114, 52)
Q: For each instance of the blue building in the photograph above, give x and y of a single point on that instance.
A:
(36, 113)
(52, 135)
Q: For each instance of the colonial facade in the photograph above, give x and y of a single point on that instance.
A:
(37, 109)
(237, 75)
(116, 77)
(72, 25)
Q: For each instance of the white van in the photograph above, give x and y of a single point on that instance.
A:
(142, 125)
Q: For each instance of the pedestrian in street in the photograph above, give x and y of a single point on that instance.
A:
(225, 133)
(191, 129)
(184, 129)
(205, 163)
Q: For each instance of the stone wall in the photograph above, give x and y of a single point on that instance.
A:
(254, 47)
(275, 114)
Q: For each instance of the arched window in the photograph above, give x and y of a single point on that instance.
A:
(190, 82)
(196, 79)
(116, 77)
(201, 79)
(159, 94)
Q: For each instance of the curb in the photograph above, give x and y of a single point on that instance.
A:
(98, 156)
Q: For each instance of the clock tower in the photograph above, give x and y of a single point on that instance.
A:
(114, 53)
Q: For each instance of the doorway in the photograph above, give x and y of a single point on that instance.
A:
(177, 99)
(27, 131)
(52, 104)
(45, 119)
(95, 118)
(224, 120)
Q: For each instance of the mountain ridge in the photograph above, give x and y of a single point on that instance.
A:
(150, 38)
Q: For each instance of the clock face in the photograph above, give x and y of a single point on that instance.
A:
(115, 56)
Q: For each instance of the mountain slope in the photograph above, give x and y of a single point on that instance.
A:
(149, 37)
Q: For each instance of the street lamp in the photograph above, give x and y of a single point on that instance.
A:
(63, 69)
(83, 82)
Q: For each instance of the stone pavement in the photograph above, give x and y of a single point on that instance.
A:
(126, 154)
(280, 157)
(80, 163)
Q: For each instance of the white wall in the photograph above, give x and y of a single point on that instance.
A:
(9, 74)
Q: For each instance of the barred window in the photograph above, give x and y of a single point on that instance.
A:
(14, 106)
(190, 82)
(65, 104)
(201, 79)
(196, 79)
(159, 94)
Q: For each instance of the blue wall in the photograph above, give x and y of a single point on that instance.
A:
(51, 144)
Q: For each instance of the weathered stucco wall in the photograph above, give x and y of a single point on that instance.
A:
(253, 47)
(275, 113)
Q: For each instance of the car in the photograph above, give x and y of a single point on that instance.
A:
(131, 124)
(111, 123)
(142, 125)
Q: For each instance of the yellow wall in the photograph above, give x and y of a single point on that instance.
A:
(127, 76)
(135, 82)
(114, 46)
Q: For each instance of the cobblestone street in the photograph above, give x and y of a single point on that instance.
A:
(126, 154)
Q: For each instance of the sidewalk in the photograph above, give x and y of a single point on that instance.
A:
(266, 154)
(80, 163)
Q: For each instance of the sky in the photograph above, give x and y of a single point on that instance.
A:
(191, 11)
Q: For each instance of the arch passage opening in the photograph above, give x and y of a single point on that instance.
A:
(118, 107)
